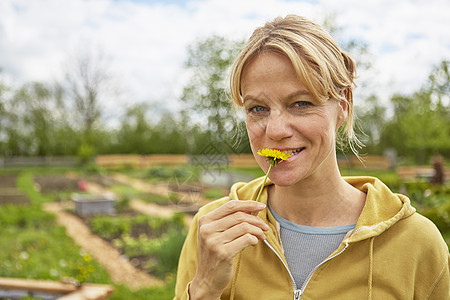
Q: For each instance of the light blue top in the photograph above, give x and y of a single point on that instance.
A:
(305, 247)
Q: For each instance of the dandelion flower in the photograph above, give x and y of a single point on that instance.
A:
(274, 157)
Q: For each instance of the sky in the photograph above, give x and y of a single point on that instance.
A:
(146, 42)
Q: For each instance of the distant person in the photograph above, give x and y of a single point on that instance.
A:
(438, 168)
(313, 234)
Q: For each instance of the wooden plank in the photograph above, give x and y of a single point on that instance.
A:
(32, 285)
(90, 291)
(68, 291)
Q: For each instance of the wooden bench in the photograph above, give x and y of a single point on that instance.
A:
(370, 162)
(64, 291)
(421, 173)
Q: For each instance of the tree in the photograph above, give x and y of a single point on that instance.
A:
(371, 118)
(87, 83)
(419, 126)
(134, 133)
(36, 117)
(206, 96)
(439, 81)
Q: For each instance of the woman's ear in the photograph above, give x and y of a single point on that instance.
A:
(342, 113)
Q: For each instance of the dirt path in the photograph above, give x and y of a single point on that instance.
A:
(120, 269)
(152, 209)
(187, 195)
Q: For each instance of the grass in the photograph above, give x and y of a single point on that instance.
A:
(214, 193)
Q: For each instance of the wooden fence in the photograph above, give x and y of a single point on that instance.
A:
(34, 161)
(155, 160)
(370, 162)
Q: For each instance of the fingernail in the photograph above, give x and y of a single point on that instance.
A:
(261, 205)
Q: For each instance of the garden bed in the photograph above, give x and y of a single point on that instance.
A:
(151, 244)
(9, 193)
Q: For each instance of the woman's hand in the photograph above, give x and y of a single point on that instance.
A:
(222, 234)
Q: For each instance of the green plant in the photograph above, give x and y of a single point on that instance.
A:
(26, 184)
(109, 228)
(213, 193)
(154, 198)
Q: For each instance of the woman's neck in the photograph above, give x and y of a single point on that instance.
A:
(321, 202)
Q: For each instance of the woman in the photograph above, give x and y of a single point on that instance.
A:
(313, 233)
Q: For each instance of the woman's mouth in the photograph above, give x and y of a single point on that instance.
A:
(294, 152)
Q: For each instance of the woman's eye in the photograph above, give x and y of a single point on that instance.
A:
(257, 109)
(302, 104)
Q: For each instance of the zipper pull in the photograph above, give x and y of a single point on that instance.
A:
(297, 294)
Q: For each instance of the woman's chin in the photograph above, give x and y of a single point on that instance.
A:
(282, 179)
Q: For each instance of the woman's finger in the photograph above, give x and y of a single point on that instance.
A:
(247, 206)
(241, 229)
(237, 218)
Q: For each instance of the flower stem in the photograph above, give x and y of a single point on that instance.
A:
(272, 162)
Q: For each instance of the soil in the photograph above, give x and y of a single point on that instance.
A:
(9, 193)
(55, 183)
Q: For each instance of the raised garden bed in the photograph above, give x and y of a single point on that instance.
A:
(90, 204)
(9, 193)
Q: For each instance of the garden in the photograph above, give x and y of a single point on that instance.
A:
(36, 246)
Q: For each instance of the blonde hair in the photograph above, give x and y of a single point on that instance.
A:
(325, 70)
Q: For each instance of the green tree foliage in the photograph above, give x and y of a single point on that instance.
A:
(420, 124)
(139, 135)
(35, 101)
(371, 117)
(206, 96)
(134, 133)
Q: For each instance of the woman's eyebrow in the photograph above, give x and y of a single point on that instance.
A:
(259, 98)
(298, 94)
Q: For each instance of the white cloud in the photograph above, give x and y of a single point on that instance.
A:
(147, 42)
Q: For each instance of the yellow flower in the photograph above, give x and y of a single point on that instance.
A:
(274, 155)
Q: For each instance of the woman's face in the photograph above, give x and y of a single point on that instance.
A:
(283, 115)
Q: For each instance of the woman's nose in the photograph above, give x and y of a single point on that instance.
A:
(278, 125)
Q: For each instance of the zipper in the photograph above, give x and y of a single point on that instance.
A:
(299, 292)
(305, 283)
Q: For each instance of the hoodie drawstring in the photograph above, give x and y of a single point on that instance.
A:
(235, 274)
(370, 280)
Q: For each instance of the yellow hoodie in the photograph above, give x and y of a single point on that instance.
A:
(393, 253)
